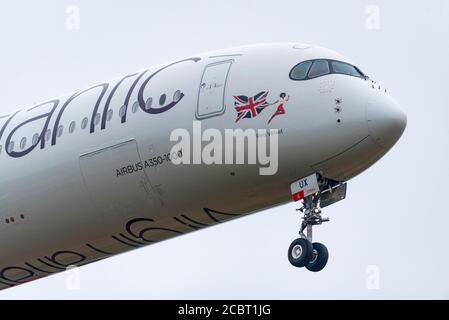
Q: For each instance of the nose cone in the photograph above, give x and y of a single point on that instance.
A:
(386, 120)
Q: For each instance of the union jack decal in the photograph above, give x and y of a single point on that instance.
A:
(250, 107)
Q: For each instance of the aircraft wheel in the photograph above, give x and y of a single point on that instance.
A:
(319, 257)
(300, 252)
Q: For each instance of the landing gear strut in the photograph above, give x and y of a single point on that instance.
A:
(303, 252)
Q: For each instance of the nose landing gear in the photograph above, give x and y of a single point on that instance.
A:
(303, 252)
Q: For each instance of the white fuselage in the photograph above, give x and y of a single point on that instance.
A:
(75, 194)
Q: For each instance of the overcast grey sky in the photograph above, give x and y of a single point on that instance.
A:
(393, 226)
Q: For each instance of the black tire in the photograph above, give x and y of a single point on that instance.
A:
(300, 252)
(319, 257)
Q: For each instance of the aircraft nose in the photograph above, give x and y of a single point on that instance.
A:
(386, 120)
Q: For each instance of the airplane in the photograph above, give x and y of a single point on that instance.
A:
(89, 175)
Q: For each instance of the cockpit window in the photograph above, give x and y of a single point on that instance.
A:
(345, 68)
(316, 68)
(300, 71)
(319, 68)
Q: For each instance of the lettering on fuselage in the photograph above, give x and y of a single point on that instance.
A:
(138, 232)
(56, 108)
(148, 163)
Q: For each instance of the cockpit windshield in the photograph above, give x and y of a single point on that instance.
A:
(346, 68)
(319, 68)
(300, 71)
(316, 68)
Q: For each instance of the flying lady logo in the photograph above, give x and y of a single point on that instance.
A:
(251, 107)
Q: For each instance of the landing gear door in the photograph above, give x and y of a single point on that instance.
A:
(333, 195)
(212, 89)
(116, 181)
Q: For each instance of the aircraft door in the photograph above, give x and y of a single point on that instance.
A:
(212, 89)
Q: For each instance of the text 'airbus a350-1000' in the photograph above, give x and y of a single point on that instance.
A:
(186, 145)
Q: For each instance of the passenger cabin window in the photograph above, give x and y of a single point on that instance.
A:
(84, 123)
(109, 115)
(35, 139)
(122, 111)
(47, 135)
(177, 96)
(97, 119)
(148, 103)
(135, 107)
(316, 68)
(60, 131)
(23, 143)
(72, 126)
